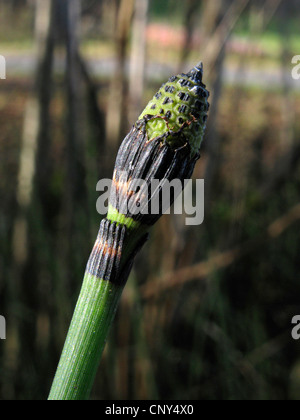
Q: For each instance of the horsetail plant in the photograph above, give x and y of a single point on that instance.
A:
(163, 144)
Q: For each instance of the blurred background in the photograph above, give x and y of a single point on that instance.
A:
(207, 311)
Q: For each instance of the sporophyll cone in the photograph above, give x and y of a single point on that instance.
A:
(163, 144)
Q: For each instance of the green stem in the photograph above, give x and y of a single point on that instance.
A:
(106, 274)
(94, 313)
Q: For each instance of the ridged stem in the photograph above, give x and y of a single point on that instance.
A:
(93, 315)
(106, 274)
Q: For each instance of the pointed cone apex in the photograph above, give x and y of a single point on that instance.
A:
(196, 73)
(199, 66)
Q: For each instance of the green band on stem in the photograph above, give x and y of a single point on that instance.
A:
(117, 217)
